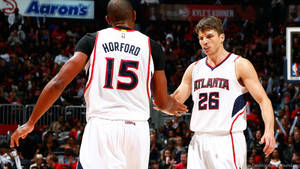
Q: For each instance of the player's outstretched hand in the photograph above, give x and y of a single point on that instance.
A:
(175, 108)
(21, 132)
(269, 140)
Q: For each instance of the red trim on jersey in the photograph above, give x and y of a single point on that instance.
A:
(236, 58)
(213, 67)
(197, 62)
(148, 74)
(126, 30)
(232, 142)
(91, 78)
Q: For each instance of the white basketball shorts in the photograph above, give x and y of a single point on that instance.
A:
(111, 144)
(207, 151)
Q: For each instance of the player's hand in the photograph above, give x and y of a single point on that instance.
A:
(176, 108)
(269, 140)
(21, 132)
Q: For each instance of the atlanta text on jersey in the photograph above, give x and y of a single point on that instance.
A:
(211, 83)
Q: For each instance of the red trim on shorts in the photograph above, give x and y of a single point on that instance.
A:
(232, 142)
(148, 74)
(91, 78)
(126, 30)
(236, 58)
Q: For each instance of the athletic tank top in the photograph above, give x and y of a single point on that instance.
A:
(120, 69)
(219, 105)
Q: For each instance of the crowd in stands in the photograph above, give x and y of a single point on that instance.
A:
(32, 50)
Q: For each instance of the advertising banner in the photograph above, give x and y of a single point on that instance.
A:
(76, 9)
(196, 12)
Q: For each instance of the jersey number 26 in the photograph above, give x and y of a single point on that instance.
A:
(208, 101)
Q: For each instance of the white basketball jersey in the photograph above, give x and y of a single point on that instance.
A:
(218, 98)
(119, 68)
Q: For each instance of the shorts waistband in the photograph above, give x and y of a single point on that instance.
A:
(131, 122)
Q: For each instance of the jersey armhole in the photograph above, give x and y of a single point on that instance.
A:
(237, 58)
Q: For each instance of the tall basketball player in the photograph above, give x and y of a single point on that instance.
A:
(121, 64)
(218, 84)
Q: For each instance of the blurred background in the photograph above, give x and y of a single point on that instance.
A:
(38, 37)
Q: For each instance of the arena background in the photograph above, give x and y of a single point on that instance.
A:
(33, 47)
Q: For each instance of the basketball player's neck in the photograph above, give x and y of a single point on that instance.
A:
(217, 57)
(125, 24)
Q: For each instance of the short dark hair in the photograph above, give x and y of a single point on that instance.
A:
(154, 162)
(119, 10)
(208, 23)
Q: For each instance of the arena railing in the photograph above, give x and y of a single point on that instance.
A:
(11, 114)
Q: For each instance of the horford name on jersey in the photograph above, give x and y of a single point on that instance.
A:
(121, 47)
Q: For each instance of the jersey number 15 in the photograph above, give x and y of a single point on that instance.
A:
(123, 72)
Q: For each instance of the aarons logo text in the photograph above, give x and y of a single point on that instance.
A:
(53, 9)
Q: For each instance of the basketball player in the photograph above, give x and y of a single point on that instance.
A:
(122, 63)
(218, 84)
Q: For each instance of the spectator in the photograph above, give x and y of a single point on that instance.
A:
(166, 159)
(275, 161)
(69, 159)
(38, 162)
(154, 164)
(49, 144)
(16, 18)
(297, 140)
(56, 126)
(183, 161)
(257, 158)
(52, 161)
(61, 58)
(16, 37)
(13, 99)
(255, 143)
(178, 149)
(251, 162)
(2, 97)
(155, 147)
(59, 35)
(5, 157)
(296, 160)
(288, 151)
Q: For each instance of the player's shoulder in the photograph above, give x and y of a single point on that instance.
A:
(199, 61)
(242, 65)
(90, 36)
(93, 34)
(192, 65)
(239, 60)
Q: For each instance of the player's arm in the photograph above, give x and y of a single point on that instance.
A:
(246, 72)
(163, 100)
(184, 90)
(159, 88)
(50, 93)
